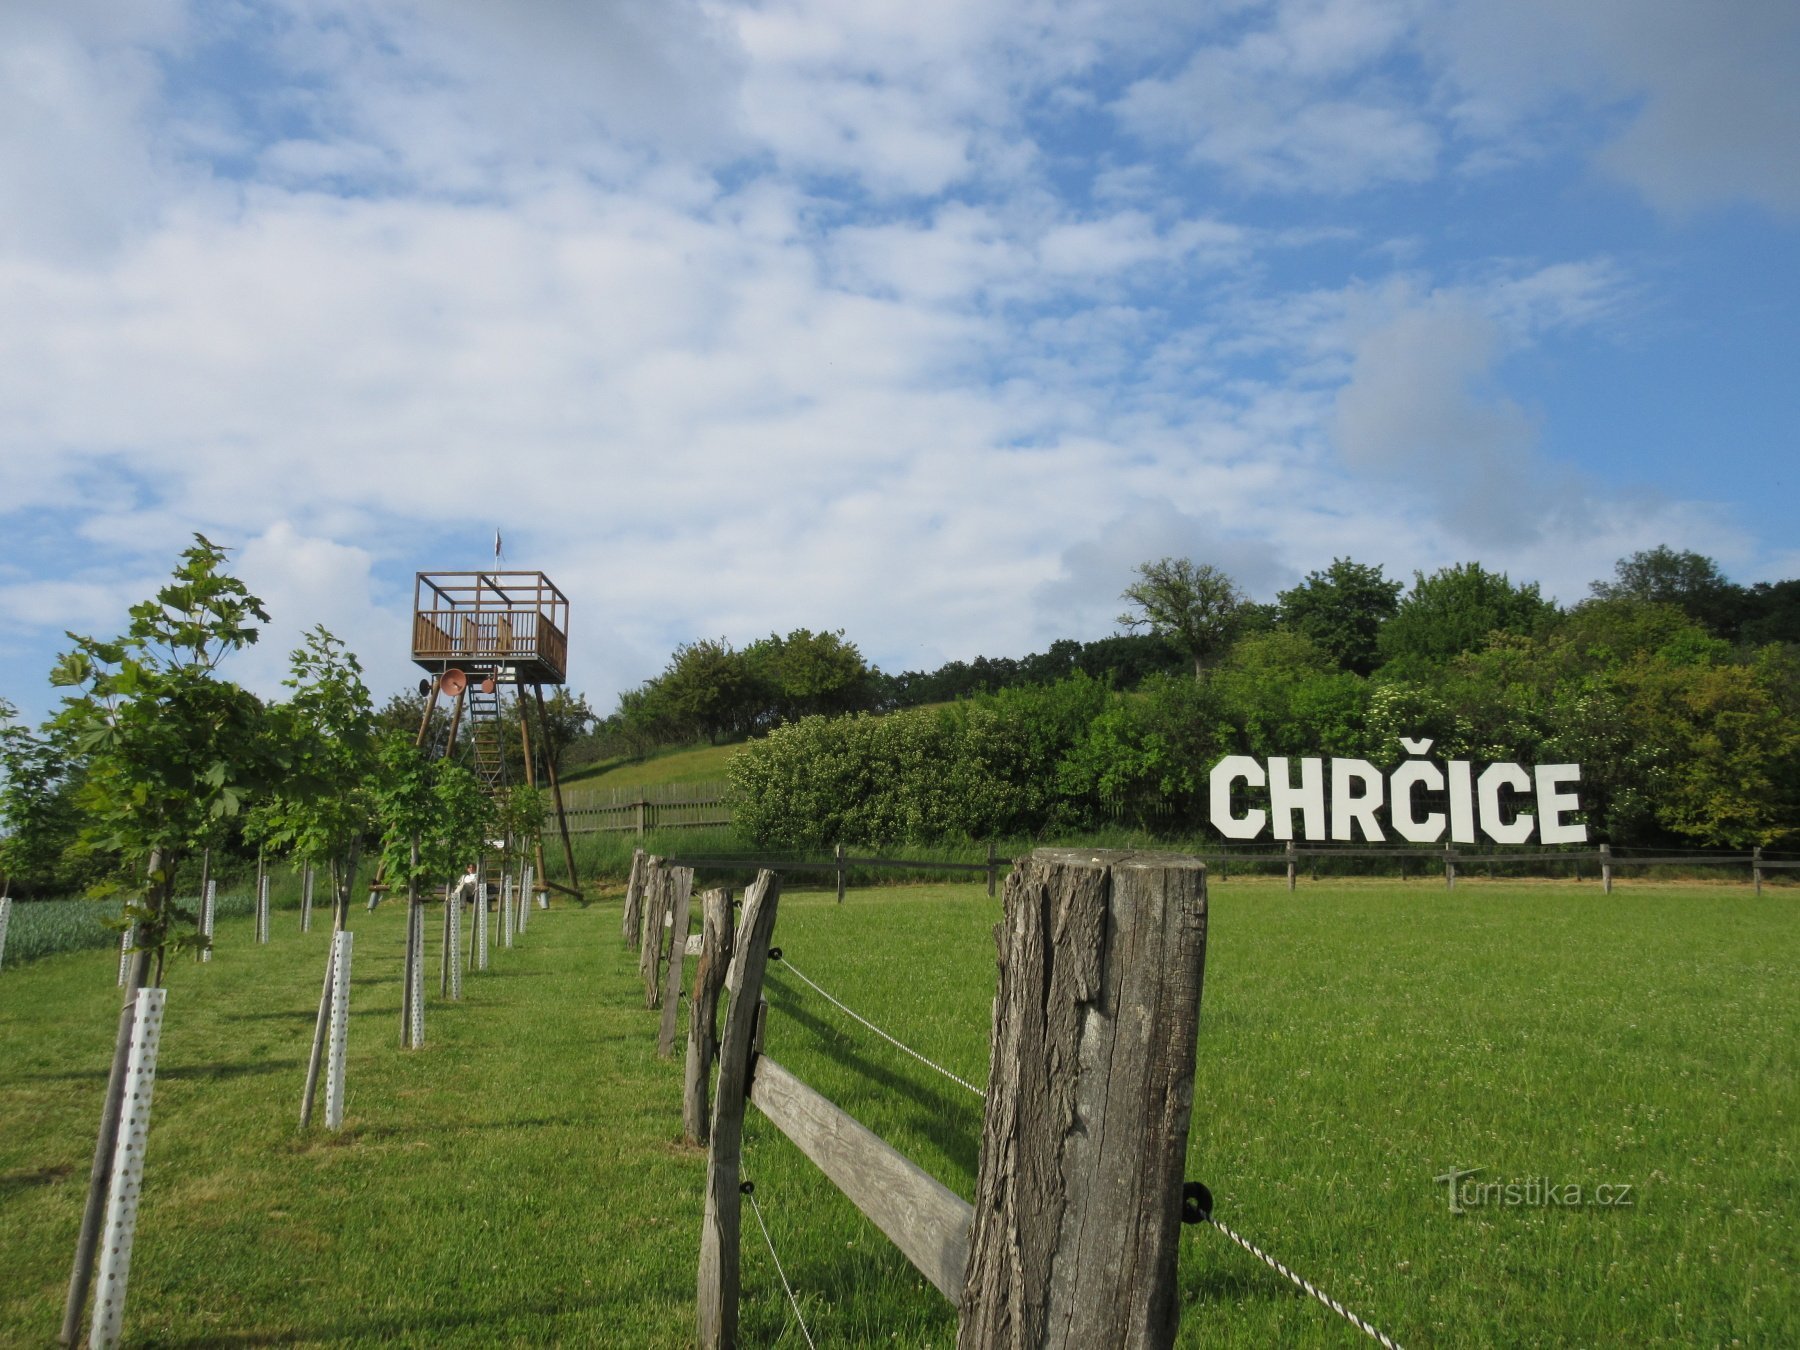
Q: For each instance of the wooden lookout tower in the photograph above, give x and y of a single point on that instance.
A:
(476, 634)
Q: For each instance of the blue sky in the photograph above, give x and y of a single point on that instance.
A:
(926, 320)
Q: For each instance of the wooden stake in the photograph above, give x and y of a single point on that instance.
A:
(840, 874)
(656, 892)
(630, 921)
(703, 1015)
(682, 880)
(718, 1285)
(1078, 1194)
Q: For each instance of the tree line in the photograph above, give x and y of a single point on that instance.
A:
(1677, 691)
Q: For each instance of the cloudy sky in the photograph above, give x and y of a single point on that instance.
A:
(925, 319)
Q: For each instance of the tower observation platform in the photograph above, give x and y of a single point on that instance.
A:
(512, 625)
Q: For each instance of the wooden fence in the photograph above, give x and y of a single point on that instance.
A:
(1598, 863)
(1095, 1018)
(638, 810)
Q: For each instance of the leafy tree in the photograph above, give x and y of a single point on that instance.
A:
(1690, 581)
(434, 815)
(708, 690)
(1454, 610)
(170, 748)
(1772, 613)
(806, 673)
(1146, 758)
(1342, 609)
(1195, 605)
(1284, 696)
(326, 731)
(1733, 777)
(40, 823)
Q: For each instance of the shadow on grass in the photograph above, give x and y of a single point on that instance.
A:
(412, 1132)
(179, 1072)
(349, 1329)
(15, 1183)
(942, 1117)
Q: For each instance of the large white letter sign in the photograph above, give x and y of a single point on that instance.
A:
(1226, 772)
(1554, 805)
(1462, 801)
(1349, 807)
(1309, 797)
(1403, 781)
(1493, 820)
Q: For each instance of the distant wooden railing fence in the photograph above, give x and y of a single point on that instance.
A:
(1100, 970)
(640, 809)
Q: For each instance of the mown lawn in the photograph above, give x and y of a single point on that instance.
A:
(521, 1180)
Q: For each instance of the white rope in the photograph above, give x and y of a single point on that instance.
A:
(900, 1045)
(1381, 1337)
(793, 1302)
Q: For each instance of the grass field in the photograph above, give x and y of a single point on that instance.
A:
(700, 764)
(521, 1180)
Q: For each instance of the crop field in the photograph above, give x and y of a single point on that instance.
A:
(1625, 1064)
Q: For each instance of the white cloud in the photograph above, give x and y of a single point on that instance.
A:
(78, 170)
(1703, 101)
(1294, 104)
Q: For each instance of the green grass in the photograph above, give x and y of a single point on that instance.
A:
(701, 764)
(521, 1181)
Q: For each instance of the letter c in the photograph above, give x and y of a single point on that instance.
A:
(1226, 772)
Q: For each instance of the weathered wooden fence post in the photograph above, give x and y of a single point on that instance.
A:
(1293, 863)
(682, 880)
(656, 895)
(1449, 868)
(840, 873)
(1606, 868)
(1755, 873)
(1077, 1215)
(634, 900)
(306, 898)
(262, 909)
(703, 1014)
(718, 1286)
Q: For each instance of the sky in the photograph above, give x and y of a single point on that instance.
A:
(927, 320)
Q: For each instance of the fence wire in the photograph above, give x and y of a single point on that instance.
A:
(1301, 1282)
(1307, 1286)
(794, 1303)
(897, 1044)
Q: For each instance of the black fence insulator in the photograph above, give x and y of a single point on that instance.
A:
(746, 1187)
(1196, 1202)
(774, 953)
